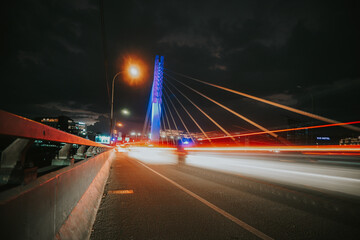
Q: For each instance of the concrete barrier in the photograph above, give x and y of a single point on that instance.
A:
(59, 205)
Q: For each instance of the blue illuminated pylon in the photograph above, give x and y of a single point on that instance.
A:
(156, 101)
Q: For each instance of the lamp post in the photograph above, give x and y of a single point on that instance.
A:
(112, 104)
(133, 72)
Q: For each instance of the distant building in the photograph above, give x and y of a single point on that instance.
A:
(350, 141)
(65, 124)
(81, 129)
(173, 133)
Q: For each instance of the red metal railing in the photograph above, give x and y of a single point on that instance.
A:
(17, 126)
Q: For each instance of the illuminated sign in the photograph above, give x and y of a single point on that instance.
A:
(323, 138)
(102, 139)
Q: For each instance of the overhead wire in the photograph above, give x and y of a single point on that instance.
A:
(301, 112)
(203, 112)
(147, 114)
(177, 113)
(191, 117)
(292, 129)
(172, 117)
(228, 109)
(167, 120)
(164, 129)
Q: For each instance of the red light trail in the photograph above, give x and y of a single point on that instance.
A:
(290, 129)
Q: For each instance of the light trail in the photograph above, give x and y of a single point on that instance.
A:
(182, 121)
(292, 172)
(230, 110)
(154, 155)
(316, 148)
(289, 129)
(210, 118)
(206, 136)
(301, 112)
(320, 173)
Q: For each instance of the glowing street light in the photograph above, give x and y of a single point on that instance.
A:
(125, 112)
(133, 72)
(120, 125)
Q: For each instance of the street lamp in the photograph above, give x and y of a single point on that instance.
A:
(133, 72)
(125, 112)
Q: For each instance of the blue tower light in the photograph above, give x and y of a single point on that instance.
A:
(156, 98)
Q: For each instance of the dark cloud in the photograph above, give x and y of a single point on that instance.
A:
(299, 53)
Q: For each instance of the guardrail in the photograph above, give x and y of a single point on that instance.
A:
(61, 204)
(14, 166)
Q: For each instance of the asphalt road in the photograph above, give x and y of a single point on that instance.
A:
(179, 201)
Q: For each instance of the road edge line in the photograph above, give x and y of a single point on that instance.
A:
(212, 206)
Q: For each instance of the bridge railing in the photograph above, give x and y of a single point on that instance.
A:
(60, 204)
(17, 167)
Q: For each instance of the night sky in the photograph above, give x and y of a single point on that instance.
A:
(304, 54)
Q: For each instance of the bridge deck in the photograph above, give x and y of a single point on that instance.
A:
(159, 208)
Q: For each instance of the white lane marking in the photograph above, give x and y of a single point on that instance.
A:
(212, 206)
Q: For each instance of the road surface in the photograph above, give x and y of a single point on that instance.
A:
(159, 200)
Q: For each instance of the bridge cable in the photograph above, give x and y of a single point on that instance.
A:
(211, 119)
(164, 123)
(311, 115)
(161, 129)
(182, 121)
(230, 110)
(147, 115)
(172, 117)
(148, 130)
(206, 136)
(167, 120)
(292, 129)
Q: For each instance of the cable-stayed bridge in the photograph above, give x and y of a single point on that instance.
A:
(167, 99)
(192, 175)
